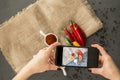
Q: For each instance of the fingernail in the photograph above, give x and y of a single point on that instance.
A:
(89, 70)
(58, 68)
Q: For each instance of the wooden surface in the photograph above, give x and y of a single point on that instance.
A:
(20, 38)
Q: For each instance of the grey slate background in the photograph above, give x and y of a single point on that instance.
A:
(109, 37)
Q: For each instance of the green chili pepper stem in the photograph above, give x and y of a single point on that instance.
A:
(71, 22)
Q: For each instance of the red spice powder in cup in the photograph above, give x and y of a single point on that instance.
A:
(50, 39)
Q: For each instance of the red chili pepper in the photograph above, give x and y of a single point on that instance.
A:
(73, 36)
(73, 32)
(81, 41)
(77, 34)
(81, 31)
(68, 34)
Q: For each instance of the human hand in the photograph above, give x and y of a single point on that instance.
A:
(108, 69)
(44, 59)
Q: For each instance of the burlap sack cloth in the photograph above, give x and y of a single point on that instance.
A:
(20, 38)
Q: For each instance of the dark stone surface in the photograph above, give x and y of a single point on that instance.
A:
(6, 72)
(9, 8)
(109, 37)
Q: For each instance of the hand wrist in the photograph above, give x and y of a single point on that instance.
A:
(33, 69)
(116, 76)
(24, 74)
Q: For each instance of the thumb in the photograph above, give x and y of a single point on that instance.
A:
(52, 46)
(53, 67)
(95, 70)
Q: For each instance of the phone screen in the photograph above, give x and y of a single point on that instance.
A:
(75, 56)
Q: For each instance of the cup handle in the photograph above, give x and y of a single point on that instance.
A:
(42, 33)
(64, 71)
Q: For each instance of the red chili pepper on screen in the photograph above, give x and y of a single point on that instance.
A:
(80, 55)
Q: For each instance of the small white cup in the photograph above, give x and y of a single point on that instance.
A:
(46, 36)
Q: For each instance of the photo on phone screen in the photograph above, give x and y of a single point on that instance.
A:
(75, 56)
(86, 57)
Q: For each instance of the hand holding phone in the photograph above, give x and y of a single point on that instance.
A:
(77, 56)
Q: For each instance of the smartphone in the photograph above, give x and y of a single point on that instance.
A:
(71, 56)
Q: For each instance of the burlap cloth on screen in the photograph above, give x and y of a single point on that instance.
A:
(20, 38)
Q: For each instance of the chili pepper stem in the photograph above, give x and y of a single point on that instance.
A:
(71, 22)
